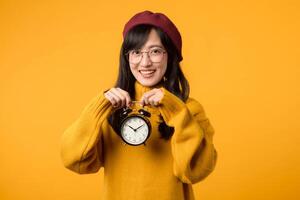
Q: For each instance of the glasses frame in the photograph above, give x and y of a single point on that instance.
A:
(128, 52)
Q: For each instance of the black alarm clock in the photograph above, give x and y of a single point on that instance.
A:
(135, 127)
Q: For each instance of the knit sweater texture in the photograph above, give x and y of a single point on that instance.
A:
(161, 169)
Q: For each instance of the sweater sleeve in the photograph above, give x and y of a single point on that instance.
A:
(194, 154)
(81, 143)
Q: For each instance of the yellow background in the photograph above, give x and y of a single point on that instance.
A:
(242, 61)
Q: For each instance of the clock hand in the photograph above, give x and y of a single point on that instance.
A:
(139, 127)
(131, 128)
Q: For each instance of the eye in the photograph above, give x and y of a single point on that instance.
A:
(135, 52)
(157, 51)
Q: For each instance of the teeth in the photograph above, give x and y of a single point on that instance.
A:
(147, 72)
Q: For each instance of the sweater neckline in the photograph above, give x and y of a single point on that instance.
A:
(141, 89)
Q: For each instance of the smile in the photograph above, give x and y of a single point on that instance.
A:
(147, 73)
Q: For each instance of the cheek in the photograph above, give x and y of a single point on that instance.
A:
(133, 69)
(164, 68)
(161, 72)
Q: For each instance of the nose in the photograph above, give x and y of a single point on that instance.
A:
(145, 60)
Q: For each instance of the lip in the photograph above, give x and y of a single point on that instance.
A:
(147, 73)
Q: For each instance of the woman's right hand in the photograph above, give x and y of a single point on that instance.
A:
(118, 97)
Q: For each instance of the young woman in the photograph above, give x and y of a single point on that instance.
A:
(178, 153)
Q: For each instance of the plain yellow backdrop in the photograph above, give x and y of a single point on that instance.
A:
(242, 61)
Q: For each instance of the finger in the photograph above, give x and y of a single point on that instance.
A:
(121, 98)
(126, 95)
(123, 95)
(111, 98)
(117, 98)
(146, 96)
(153, 100)
(156, 99)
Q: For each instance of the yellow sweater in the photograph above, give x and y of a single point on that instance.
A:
(163, 169)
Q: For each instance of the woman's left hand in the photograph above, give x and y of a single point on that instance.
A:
(152, 97)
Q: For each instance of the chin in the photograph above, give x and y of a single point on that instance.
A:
(148, 83)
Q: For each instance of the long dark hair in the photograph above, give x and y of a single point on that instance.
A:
(174, 80)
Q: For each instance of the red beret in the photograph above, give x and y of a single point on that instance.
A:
(159, 20)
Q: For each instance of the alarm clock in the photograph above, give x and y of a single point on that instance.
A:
(135, 127)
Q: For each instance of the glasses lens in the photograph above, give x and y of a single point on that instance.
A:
(135, 56)
(155, 55)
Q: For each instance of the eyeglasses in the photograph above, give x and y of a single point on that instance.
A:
(156, 55)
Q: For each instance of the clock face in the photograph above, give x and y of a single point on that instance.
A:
(135, 130)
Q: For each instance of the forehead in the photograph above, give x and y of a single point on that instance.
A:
(152, 41)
